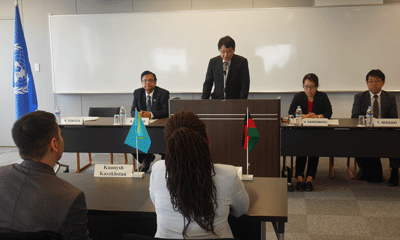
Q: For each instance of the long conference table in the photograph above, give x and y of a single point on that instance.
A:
(343, 140)
(123, 205)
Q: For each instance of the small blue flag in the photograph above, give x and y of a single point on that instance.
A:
(138, 130)
(23, 84)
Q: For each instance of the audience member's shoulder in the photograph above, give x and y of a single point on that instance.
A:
(224, 169)
(137, 91)
(158, 166)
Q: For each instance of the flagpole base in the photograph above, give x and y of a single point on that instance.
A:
(247, 177)
(138, 175)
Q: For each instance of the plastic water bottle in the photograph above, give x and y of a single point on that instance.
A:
(370, 117)
(299, 115)
(122, 113)
(58, 115)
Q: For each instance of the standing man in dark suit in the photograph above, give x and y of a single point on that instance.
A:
(229, 73)
(383, 106)
(151, 102)
(33, 198)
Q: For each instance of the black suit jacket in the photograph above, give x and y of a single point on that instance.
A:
(321, 104)
(159, 108)
(237, 83)
(363, 100)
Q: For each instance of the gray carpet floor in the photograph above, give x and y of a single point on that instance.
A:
(339, 208)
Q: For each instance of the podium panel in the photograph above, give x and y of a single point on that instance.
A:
(224, 121)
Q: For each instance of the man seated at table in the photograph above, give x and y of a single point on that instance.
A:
(383, 106)
(151, 102)
(32, 197)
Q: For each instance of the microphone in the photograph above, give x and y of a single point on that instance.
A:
(225, 67)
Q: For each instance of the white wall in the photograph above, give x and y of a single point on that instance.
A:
(34, 16)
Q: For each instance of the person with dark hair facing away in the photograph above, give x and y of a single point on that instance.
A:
(192, 196)
(383, 106)
(228, 73)
(313, 104)
(151, 102)
(33, 198)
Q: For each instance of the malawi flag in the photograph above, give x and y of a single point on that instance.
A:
(250, 133)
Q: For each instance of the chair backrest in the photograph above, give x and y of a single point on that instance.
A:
(43, 235)
(103, 111)
(130, 236)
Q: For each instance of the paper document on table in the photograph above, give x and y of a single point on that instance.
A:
(153, 120)
(333, 122)
(90, 118)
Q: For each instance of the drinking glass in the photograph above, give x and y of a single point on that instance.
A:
(361, 121)
(117, 120)
(291, 120)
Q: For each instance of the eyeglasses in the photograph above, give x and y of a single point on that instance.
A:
(309, 87)
(371, 82)
(148, 81)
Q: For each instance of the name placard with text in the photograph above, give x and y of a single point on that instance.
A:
(386, 122)
(322, 122)
(113, 170)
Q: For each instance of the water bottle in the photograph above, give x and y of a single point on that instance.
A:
(58, 115)
(122, 113)
(299, 115)
(370, 117)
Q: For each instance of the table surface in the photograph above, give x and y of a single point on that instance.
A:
(343, 123)
(268, 196)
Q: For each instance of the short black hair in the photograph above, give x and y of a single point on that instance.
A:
(147, 72)
(32, 134)
(376, 73)
(227, 41)
(312, 78)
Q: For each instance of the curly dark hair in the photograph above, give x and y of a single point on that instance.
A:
(189, 170)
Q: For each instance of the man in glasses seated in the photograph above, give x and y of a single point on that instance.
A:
(384, 106)
(151, 102)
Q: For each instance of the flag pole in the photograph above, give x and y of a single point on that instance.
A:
(247, 141)
(136, 173)
(247, 176)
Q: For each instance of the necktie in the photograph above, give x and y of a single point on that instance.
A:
(375, 107)
(148, 103)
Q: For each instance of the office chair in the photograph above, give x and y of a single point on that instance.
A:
(99, 112)
(130, 236)
(43, 235)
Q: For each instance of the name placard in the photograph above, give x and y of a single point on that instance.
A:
(72, 121)
(113, 170)
(315, 122)
(386, 122)
(129, 121)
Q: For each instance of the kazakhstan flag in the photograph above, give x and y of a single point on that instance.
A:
(138, 130)
(23, 84)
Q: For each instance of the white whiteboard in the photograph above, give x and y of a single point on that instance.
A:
(106, 53)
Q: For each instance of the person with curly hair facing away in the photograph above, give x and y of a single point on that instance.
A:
(193, 196)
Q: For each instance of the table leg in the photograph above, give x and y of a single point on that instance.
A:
(263, 230)
(279, 228)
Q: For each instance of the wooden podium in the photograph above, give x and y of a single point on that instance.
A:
(224, 120)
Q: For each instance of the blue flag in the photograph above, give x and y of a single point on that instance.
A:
(23, 84)
(138, 130)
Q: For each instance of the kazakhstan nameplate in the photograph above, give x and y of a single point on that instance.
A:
(113, 170)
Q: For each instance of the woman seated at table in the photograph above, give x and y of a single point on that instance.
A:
(314, 104)
(193, 197)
